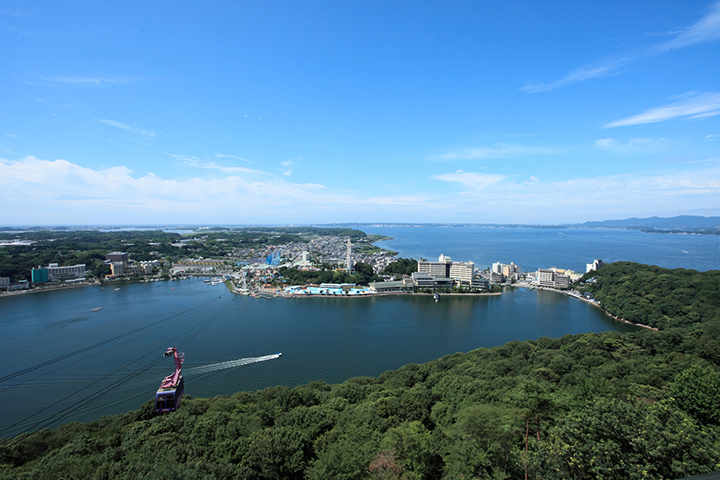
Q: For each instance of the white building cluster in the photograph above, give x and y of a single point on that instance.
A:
(121, 266)
(445, 272)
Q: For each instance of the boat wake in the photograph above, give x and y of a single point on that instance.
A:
(230, 364)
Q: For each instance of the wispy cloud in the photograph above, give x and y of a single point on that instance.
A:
(92, 81)
(588, 72)
(12, 14)
(691, 105)
(632, 145)
(290, 162)
(471, 180)
(81, 82)
(125, 126)
(209, 165)
(222, 155)
(500, 150)
(704, 30)
(11, 135)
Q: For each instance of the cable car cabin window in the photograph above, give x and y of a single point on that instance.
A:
(165, 401)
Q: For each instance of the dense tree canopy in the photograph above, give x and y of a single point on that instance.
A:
(403, 266)
(656, 296)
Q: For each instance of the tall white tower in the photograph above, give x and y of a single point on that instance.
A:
(349, 265)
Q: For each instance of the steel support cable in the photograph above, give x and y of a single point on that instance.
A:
(91, 347)
(75, 406)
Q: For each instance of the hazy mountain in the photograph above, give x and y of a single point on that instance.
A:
(682, 222)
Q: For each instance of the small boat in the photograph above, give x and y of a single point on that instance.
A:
(437, 297)
(96, 309)
(117, 289)
(279, 354)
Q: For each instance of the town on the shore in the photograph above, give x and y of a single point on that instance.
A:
(320, 266)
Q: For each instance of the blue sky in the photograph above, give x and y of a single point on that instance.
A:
(317, 112)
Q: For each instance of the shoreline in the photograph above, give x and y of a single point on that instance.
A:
(589, 302)
(48, 289)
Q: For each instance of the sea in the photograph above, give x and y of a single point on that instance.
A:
(64, 360)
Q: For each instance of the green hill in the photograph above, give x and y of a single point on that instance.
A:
(641, 405)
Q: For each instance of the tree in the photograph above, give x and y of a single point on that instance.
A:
(697, 391)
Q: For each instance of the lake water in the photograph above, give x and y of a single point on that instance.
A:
(533, 248)
(75, 364)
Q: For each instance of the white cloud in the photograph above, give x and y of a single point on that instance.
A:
(711, 137)
(581, 198)
(196, 162)
(11, 135)
(60, 191)
(289, 163)
(91, 81)
(124, 126)
(500, 150)
(632, 145)
(221, 155)
(691, 105)
(704, 30)
(588, 72)
(472, 180)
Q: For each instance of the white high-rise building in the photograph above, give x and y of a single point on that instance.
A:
(461, 272)
(591, 267)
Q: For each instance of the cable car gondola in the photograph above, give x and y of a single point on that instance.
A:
(167, 397)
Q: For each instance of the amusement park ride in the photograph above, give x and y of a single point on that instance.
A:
(167, 398)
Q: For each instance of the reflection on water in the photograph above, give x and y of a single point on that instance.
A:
(73, 355)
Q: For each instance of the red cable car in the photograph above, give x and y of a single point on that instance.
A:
(167, 398)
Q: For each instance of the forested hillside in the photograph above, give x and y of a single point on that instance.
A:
(655, 296)
(643, 406)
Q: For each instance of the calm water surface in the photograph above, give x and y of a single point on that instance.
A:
(320, 338)
(533, 248)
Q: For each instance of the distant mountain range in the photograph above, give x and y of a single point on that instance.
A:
(681, 223)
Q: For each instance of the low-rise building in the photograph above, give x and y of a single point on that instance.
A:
(480, 284)
(117, 257)
(553, 277)
(55, 273)
(423, 280)
(496, 277)
(19, 285)
(397, 286)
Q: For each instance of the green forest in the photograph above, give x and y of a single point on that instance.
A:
(654, 296)
(641, 405)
